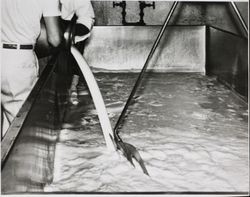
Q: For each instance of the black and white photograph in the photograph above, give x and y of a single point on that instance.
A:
(103, 97)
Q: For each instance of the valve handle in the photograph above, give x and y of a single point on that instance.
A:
(153, 5)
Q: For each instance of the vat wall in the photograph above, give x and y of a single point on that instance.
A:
(125, 48)
(227, 58)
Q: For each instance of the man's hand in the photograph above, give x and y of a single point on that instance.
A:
(81, 32)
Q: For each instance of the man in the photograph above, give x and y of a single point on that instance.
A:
(20, 29)
(84, 12)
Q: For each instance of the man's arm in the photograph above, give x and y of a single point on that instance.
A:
(53, 31)
(49, 38)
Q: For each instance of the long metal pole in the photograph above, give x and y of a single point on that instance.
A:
(138, 81)
(239, 16)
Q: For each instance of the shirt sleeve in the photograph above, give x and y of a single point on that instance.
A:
(50, 8)
(85, 13)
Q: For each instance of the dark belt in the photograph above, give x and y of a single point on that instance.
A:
(17, 46)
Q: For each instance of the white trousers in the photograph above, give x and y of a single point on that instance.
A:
(19, 73)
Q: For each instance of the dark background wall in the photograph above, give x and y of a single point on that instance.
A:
(218, 14)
